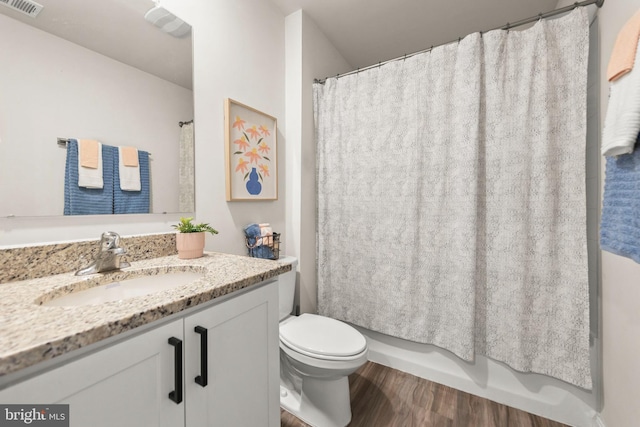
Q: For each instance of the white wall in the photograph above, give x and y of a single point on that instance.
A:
(309, 55)
(238, 53)
(53, 88)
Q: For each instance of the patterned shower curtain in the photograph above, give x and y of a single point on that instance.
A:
(451, 198)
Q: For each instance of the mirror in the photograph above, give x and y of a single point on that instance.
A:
(96, 70)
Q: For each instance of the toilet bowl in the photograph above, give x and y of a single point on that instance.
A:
(317, 354)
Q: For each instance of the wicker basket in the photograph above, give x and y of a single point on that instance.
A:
(267, 247)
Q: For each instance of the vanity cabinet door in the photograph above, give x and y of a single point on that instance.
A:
(126, 384)
(242, 383)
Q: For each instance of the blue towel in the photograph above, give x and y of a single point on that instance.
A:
(252, 231)
(87, 201)
(620, 226)
(132, 202)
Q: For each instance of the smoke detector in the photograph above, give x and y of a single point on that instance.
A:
(27, 7)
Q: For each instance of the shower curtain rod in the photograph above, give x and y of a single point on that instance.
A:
(63, 142)
(554, 12)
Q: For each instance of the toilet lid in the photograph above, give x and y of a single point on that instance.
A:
(322, 336)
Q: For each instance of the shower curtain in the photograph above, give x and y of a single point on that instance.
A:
(186, 179)
(451, 198)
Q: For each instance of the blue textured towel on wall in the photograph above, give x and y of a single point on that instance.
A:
(132, 202)
(620, 226)
(87, 201)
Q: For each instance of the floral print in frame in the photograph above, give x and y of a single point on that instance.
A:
(251, 153)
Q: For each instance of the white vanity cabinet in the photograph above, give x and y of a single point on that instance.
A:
(128, 383)
(121, 385)
(243, 362)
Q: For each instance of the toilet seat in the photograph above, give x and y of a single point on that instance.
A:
(322, 338)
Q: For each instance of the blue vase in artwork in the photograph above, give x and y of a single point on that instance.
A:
(253, 185)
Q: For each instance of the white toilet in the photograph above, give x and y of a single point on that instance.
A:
(316, 356)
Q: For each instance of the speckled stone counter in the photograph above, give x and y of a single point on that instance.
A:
(31, 262)
(31, 333)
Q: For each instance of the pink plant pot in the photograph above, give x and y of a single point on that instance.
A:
(190, 245)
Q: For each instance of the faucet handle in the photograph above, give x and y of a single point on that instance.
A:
(109, 240)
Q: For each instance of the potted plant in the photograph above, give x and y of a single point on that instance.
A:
(190, 238)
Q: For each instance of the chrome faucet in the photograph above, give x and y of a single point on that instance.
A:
(109, 256)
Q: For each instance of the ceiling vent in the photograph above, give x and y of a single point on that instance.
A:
(27, 7)
(167, 21)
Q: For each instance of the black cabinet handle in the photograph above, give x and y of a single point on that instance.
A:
(202, 379)
(176, 395)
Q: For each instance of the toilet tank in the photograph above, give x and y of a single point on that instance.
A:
(287, 287)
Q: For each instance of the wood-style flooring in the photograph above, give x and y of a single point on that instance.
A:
(383, 397)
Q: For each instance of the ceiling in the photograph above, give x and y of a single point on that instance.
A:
(366, 32)
(116, 29)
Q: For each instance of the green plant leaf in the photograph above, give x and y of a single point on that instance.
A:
(265, 157)
(238, 152)
(187, 226)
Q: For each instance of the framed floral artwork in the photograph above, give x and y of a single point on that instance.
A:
(251, 153)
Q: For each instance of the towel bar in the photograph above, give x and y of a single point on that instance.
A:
(62, 142)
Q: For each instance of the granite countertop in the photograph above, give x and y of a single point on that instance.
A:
(31, 333)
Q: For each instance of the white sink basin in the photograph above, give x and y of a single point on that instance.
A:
(125, 289)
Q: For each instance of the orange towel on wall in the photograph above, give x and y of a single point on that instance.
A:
(89, 153)
(129, 156)
(624, 51)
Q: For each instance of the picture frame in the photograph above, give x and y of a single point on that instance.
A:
(251, 156)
